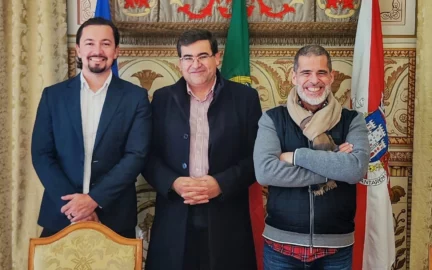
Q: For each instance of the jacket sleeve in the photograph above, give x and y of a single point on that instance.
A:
(135, 155)
(159, 175)
(240, 176)
(269, 169)
(44, 155)
(345, 167)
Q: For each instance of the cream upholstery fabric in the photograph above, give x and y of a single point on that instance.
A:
(84, 249)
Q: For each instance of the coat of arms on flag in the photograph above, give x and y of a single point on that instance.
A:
(378, 141)
(378, 137)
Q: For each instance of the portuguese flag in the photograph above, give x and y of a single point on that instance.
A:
(235, 66)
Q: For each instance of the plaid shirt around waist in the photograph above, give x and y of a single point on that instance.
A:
(304, 254)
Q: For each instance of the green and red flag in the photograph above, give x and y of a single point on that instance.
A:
(235, 66)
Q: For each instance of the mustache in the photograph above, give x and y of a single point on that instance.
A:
(97, 55)
(315, 85)
(197, 69)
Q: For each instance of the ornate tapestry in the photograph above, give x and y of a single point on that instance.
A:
(279, 22)
(294, 21)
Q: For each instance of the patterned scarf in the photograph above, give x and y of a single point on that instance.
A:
(320, 121)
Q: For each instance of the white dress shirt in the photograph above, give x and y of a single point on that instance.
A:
(91, 110)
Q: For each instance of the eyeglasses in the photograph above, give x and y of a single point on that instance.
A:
(189, 60)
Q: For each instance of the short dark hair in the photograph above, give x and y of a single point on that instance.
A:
(96, 21)
(309, 50)
(191, 36)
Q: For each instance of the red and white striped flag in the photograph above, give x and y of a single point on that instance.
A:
(374, 246)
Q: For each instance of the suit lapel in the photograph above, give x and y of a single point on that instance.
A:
(73, 104)
(182, 98)
(112, 100)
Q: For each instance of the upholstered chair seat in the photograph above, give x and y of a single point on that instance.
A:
(85, 246)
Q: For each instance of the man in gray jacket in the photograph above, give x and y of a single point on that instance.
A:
(310, 154)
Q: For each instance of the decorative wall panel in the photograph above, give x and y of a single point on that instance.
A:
(398, 17)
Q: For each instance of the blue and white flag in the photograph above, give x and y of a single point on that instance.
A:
(103, 10)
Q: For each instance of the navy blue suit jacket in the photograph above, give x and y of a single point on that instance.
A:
(120, 151)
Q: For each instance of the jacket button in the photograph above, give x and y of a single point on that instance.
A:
(185, 136)
(184, 166)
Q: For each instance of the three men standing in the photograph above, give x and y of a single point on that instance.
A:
(92, 136)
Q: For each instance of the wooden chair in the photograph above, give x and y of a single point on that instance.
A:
(430, 257)
(85, 245)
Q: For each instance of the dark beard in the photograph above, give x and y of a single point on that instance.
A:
(97, 69)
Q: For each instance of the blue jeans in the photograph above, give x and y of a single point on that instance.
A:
(341, 260)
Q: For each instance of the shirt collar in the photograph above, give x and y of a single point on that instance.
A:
(211, 92)
(84, 83)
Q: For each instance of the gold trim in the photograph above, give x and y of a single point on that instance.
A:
(399, 36)
(71, 62)
(401, 158)
(401, 140)
(409, 209)
(148, 52)
(411, 92)
(255, 29)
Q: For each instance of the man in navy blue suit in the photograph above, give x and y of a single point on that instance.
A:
(91, 138)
